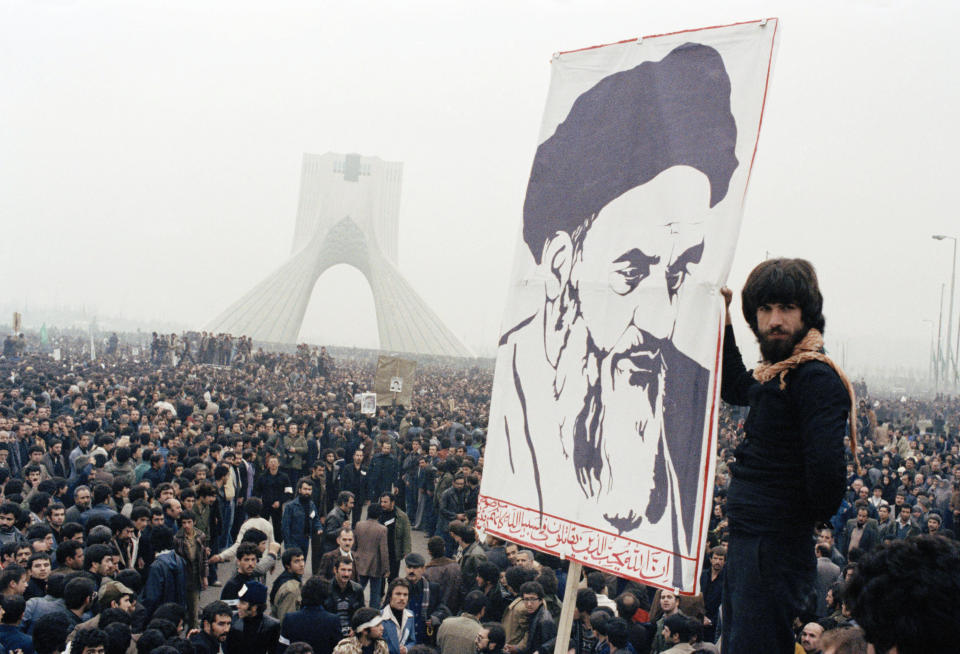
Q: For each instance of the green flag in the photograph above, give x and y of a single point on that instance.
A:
(44, 339)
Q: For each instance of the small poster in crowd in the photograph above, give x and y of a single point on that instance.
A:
(603, 416)
(368, 404)
(56, 354)
(17, 322)
(393, 382)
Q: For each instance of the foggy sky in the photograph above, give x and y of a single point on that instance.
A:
(150, 151)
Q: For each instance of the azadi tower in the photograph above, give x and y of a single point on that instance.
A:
(348, 213)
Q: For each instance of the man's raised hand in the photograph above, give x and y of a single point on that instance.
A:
(727, 299)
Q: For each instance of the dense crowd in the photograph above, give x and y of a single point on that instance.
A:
(169, 497)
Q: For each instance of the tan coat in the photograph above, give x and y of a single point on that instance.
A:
(446, 573)
(372, 554)
(516, 623)
(459, 635)
(287, 599)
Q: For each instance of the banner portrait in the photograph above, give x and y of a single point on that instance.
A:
(603, 417)
(368, 404)
(393, 381)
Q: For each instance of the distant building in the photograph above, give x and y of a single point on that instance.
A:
(348, 213)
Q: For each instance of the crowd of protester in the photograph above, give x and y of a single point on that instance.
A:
(141, 481)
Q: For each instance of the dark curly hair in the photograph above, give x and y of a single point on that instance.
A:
(785, 281)
(903, 594)
(89, 638)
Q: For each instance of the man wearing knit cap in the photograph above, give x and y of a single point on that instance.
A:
(252, 632)
(790, 469)
(425, 600)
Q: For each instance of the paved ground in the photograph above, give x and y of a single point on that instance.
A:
(226, 570)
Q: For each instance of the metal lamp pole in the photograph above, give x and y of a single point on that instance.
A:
(939, 367)
(953, 280)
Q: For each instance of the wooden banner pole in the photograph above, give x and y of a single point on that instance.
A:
(569, 604)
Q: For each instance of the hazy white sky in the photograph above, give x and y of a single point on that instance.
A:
(150, 151)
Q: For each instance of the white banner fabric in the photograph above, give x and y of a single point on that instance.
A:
(368, 404)
(603, 419)
(393, 381)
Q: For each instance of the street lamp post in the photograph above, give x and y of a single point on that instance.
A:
(953, 280)
(939, 367)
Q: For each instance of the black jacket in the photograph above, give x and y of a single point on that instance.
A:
(272, 488)
(452, 502)
(541, 629)
(258, 635)
(35, 588)
(331, 527)
(343, 602)
(314, 625)
(497, 602)
(355, 481)
(790, 468)
(383, 473)
(240, 472)
(204, 643)
(216, 523)
(166, 582)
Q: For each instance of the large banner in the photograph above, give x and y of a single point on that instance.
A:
(393, 381)
(604, 411)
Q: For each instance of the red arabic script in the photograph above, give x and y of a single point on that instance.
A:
(596, 549)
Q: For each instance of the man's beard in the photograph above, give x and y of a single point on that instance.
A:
(775, 350)
(603, 393)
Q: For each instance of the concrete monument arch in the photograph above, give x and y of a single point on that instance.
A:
(348, 213)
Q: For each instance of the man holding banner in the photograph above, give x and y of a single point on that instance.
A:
(605, 393)
(790, 470)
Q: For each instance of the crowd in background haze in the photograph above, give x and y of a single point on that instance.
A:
(195, 494)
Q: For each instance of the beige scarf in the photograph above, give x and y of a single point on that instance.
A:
(811, 349)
